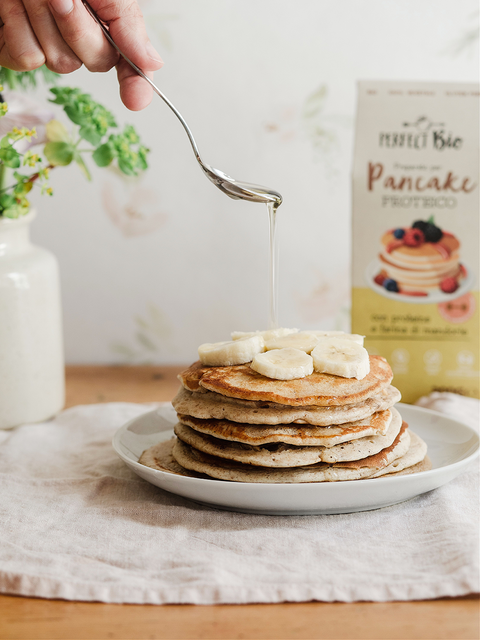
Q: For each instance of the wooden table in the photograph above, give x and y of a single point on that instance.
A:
(28, 618)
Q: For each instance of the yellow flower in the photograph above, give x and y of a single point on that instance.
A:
(31, 159)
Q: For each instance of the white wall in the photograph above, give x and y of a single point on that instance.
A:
(152, 268)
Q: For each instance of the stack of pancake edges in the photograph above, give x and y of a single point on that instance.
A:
(238, 425)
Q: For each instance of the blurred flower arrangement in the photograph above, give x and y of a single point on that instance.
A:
(24, 125)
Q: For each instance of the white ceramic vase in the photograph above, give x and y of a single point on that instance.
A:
(32, 383)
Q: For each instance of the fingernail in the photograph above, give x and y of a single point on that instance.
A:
(151, 51)
(62, 7)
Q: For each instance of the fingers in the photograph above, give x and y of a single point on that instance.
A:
(19, 47)
(83, 36)
(63, 35)
(59, 56)
(127, 29)
(135, 92)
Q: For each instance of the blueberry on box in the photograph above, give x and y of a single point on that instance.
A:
(391, 285)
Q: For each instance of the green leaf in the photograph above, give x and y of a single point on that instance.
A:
(142, 158)
(6, 200)
(65, 95)
(9, 77)
(130, 133)
(10, 157)
(126, 167)
(90, 134)
(79, 160)
(16, 210)
(95, 121)
(85, 112)
(56, 131)
(22, 188)
(26, 79)
(75, 114)
(5, 142)
(49, 77)
(59, 153)
(103, 156)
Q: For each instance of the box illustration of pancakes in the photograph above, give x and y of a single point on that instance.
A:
(304, 425)
(416, 233)
(420, 260)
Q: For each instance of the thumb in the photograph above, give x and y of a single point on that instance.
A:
(127, 28)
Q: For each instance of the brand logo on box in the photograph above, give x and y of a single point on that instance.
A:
(420, 135)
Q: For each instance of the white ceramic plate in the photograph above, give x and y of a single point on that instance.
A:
(433, 298)
(452, 447)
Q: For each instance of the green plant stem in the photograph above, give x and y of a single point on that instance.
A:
(32, 178)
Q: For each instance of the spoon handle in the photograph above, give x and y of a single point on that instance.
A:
(106, 33)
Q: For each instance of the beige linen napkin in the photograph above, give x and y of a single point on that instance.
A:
(76, 523)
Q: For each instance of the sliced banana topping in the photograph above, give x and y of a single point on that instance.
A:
(222, 354)
(283, 364)
(303, 340)
(339, 334)
(341, 357)
(266, 335)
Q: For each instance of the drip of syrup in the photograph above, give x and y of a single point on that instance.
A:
(273, 283)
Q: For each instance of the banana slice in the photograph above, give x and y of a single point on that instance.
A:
(304, 340)
(222, 354)
(339, 334)
(283, 364)
(341, 357)
(266, 335)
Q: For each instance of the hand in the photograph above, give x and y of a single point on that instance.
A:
(62, 35)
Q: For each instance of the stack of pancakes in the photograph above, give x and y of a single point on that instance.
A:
(236, 424)
(423, 267)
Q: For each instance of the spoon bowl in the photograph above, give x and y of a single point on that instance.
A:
(241, 190)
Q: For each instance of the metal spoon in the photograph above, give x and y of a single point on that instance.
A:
(233, 188)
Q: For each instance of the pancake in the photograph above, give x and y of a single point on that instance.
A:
(190, 378)
(222, 469)
(421, 267)
(256, 435)
(286, 455)
(421, 279)
(424, 254)
(211, 405)
(423, 465)
(160, 457)
(415, 454)
(320, 389)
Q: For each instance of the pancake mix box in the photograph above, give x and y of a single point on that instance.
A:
(416, 233)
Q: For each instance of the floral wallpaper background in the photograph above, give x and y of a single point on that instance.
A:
(152, 267)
